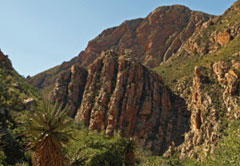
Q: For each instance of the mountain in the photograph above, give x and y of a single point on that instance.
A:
(16, 97)
(203, 77)
(151, 40)
(119, 94)
(171, 81)
(214, 34)
(205, 72)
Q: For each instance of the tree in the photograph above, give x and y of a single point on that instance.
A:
(48, 128)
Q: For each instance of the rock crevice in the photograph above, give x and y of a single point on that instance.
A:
(123, 95)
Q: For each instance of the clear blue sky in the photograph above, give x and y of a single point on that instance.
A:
(39, 34)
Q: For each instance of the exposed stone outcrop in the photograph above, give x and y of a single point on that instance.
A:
(223, 38)
(215, 90)
(204, 121)
(214, 34)
(151, 40)
(5, 62)
(69, 88)
(228, 74)
(122, 95)
(29, 103)
(215, 96)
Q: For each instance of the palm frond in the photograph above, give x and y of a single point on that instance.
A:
(48, 128)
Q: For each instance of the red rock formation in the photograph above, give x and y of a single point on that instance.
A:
(151, 40)
(69, 88)
(122, 95)
(228, 78)
(223, 38)
(215, 96)
(204, 121)
(214, 34)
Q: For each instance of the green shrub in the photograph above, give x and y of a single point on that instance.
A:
(91, 148)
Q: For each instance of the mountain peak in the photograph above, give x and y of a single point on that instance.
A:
(4, 61)
(152, 40)
(173, 8)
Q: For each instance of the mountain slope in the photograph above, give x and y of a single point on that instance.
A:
(208, 78)
(117, 94)
(151, 40)
(16, 96)
(215, 33)
(217, 39)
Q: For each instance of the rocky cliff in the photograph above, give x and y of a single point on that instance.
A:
(151, 40)
(69, 88)
(118, 94)
(112, 91)
(214, 34)
(205, 72)
(214, 101)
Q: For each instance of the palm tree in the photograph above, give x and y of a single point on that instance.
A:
(48, 128)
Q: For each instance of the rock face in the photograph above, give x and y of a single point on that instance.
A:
(69, 88)
(214, 34)
(228, 74)
(122, 95)
(151, 40)
(5, 62)
(204, 121)
(223, 38)
(215, 97)
(116, 93)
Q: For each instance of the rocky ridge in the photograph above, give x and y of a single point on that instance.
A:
(123, 95)
(151, 40)
(214, 34)
(69, 88)
(214, 100)
(113, 97)
(212, 97)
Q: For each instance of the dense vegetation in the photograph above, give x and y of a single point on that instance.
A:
(14, 92)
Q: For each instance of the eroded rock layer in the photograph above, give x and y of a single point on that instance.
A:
(214, 99)
(214, 34)
(122, 95)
